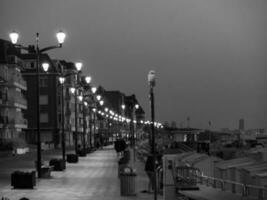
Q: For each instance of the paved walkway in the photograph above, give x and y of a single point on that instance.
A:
(94, 177)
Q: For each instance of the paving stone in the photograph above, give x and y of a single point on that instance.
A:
(94, 177)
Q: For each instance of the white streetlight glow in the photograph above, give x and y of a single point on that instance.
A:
(123, 106)
(72, 90)
(106, 109)
(94, 109)
(101, 103)
(93, 90)
(14, 36)
(151, 77)
(80, 98)
(45, 66)
(85, 103)
(61, 37)
(78, 66)
(61, 80)
(136, 106)
(88, 79)
(98, 97)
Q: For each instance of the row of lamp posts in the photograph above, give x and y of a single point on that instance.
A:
(60, 38)
(38, 52)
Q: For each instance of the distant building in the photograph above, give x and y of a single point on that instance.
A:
(49, 127)
(13, 103)
(242, 124)
(114, 100)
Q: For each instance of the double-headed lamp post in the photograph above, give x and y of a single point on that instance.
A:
(93, 90)
(74, 90)
(136, 107)
(85, 104)
(62, 80)
(60, 38)
(152, 83)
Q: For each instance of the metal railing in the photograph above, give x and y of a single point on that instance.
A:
(245, 190)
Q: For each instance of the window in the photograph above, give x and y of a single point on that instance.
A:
(44, 117)
(43, 100)
(32, 65)
(43, 82)
(59, 118)
(58, 99)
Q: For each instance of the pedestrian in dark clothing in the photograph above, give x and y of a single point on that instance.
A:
(101, 142)
(116, 147)
(149, 168)
(123, 145)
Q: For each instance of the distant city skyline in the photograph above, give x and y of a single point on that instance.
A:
(209, 56)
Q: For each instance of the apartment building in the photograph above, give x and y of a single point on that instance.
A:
(13, 88)
(48, 101)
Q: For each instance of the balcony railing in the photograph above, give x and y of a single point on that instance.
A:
(19, 122)
(3, 74)
(12, 59)
(17, 80)
(18, 100)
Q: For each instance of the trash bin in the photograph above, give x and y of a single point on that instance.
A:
(127, 182)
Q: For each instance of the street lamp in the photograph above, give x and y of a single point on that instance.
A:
(152, 83)
(98, 97)
(93, 89)
(62, 80)
(136, 106)
(60, 38)
(45, 66)
(78, 66)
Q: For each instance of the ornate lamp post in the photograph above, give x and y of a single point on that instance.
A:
(92, 108)
(152, 82)
(60, 37)
(85, 104)
(74, 90)
(62, 80)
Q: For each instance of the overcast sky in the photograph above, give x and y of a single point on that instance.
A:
(210, 56)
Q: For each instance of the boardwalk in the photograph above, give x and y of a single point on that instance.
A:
(94, 177)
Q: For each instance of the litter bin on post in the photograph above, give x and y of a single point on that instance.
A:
(127, 182)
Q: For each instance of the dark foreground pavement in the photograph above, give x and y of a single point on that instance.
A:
(94, 177)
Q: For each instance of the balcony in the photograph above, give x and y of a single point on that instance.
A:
(14, 60)
(17, 80)
(18, 101)
(19, 122)
(3, 74)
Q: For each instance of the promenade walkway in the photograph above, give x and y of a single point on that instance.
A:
(93, 178)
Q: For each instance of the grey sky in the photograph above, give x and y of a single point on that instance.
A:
(209, 55)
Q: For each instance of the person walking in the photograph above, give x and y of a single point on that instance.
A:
(149, 169)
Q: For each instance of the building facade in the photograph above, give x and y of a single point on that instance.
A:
(48, 101)
(13, 88)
